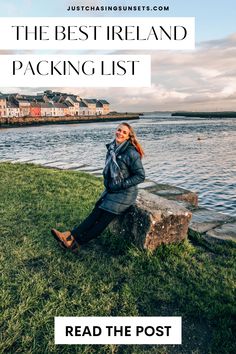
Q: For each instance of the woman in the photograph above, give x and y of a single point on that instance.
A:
(122, 173)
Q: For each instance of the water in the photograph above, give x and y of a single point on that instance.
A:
(174, 154)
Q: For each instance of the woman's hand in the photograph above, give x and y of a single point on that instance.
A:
(115, 186)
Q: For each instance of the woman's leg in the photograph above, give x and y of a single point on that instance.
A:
(93, 225)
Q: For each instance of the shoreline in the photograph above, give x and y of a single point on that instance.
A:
(16, 122)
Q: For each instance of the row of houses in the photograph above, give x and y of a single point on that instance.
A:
(51, 104)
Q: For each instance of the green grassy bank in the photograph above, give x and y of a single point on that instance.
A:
(107, 278)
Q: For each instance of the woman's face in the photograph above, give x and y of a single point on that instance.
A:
(122, 134)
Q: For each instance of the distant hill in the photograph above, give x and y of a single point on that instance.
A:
(227, 114)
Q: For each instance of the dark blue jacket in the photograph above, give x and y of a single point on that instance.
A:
(118, 197)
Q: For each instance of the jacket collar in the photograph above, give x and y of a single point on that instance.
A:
(124, 147)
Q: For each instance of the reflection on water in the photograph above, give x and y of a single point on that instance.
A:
(196, 154)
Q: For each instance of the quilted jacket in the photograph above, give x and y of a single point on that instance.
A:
(118, 197)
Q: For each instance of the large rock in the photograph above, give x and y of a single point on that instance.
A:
(153, 221)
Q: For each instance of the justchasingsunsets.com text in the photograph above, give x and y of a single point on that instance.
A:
(119, 8)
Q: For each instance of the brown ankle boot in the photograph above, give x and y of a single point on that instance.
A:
(66, 239)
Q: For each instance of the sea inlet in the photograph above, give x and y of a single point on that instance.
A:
(193, 153)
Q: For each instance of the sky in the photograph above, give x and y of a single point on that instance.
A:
(200, 79)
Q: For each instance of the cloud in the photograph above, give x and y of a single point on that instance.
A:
(202, 79)
(205, 75)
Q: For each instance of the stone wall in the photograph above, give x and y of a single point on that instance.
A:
(16, 121)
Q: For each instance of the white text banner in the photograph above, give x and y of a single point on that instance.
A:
(118, 330)
(97, 33)
(75, 70)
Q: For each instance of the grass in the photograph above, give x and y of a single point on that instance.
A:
(107, 278)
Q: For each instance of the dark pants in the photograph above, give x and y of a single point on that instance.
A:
(93, 225)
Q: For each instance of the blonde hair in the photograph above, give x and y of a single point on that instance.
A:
(133, 139)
